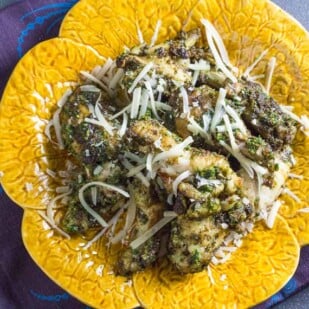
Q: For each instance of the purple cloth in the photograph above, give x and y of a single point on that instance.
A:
(22, 284)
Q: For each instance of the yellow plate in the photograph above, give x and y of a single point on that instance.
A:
(42, 76)
(248, 27)
(264, 263)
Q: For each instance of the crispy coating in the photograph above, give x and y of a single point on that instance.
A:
(90, 144)
(148, 212)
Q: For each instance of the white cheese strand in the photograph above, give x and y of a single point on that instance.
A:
(53, 225)
(95, 80)
(135, 170)
(195, 128)
(210, 36)
(240, 124)
(139, 33)
(272, 214)
(144, 103)
(179, 179)
(140, 176)
(124, 125)
(130, 218)
(152, 231)
(116, 78)
(175, 151)
(140, 76)
(152, 101)
(269, 74)
(253, 65)
(135, 102)
(88, 208)
(185, 100)
(57, 126)
(218, 110)
(155, 34)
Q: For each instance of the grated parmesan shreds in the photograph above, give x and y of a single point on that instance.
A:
(64, 98)
(304, 210)
(124, 110)
(52, 205)
(53, 225)
(218, 114)
(270, 220)
(152, 101)
(173, 152)
(239, 122)
(104, 230)
(185, 100)
(84, 204)
(291, 194)
(28, 186)
(295, 176)
(130, 218)
(141, 76)
(92, 78)
(140, 176)
(212, 38)
(57, 127)
(152, 231)
(135, 170)
(254, 64)
(195, 128)
(155, 33)
(116, 78)
(210, 276)
(124, 125)
(269, 73)
(136, 102)
(139, 33)
(179, 179)
(144, 103)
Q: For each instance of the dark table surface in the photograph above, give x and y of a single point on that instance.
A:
(22, 284)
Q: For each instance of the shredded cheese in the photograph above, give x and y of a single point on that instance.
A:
(95, 80)
(152, 231)
(155, 34)
(272, 214)
(101, 118)
(140, 76)
(212, 37)
(291, 194)
(304, 210)
(144, 103)
(210, 276)
(140, 176)
(300, 177)
(253, 65)
(175, 151)
(185, 100)
(88, 208)
(131, 214)
(124, 125)
(269, 74)
(218, 110)
(135, 102)
(195, 128)
(116, 78)
(57, 127)
(152, 101)
(139, 33)
(179, 179)
(53, 225)
(135, 170)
